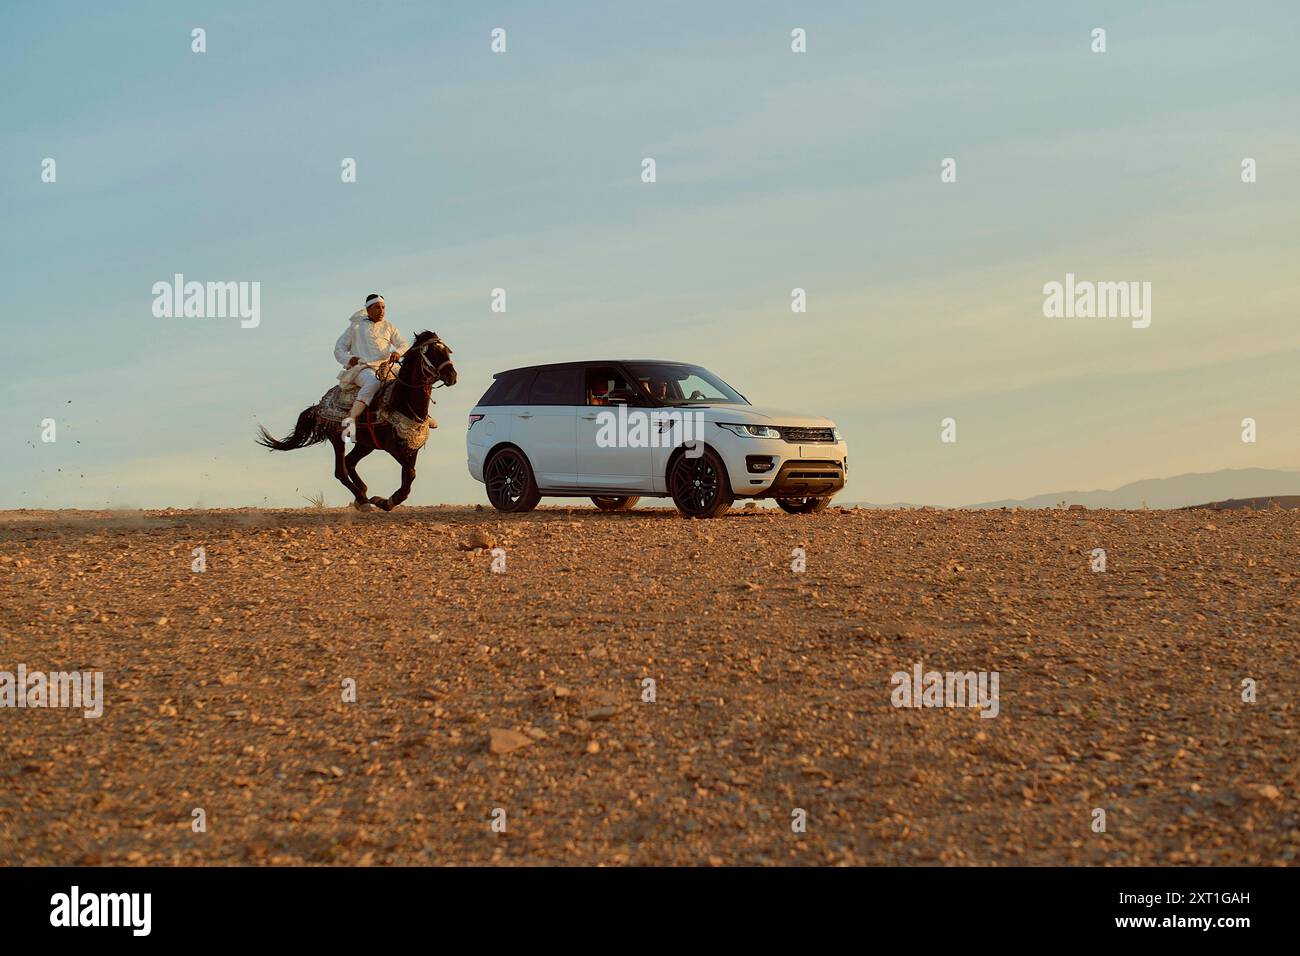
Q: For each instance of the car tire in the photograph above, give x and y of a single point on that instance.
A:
(511, 486)
(700, 486)
(614, 503)
(803, 506)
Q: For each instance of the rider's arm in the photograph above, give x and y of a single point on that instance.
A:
(399, 343)
(343, 347)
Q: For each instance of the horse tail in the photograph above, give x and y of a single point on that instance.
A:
(308, 431)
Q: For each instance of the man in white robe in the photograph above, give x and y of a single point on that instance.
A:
(369, 342)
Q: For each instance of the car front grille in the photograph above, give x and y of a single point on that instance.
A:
(812, 469)
(813, 475)
(808, 436)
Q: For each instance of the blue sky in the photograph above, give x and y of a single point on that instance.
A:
(775, 170)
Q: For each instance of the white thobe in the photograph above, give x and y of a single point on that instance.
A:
(370, 343)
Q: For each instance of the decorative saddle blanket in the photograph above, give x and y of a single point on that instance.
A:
(337, 402)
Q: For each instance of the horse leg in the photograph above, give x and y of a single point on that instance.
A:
(358, 452)
(401, 494)
(341, 470)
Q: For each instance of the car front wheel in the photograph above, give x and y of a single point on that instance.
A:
(614, 503)
(510, 484)
(699, 486)
(803, 506)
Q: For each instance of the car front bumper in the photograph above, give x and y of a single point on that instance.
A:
(806, 478)
(796, 470)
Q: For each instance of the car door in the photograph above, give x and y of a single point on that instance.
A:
(613, 437)
(544, 428)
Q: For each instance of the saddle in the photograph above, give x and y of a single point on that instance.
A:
(335, 404)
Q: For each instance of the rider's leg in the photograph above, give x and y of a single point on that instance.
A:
(369, 383)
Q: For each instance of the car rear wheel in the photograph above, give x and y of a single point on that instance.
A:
(614, 503)
(510, 484)
(699, 486)
(803, 506)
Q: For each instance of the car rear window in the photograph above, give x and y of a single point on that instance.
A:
(557, 385)
(509, 388)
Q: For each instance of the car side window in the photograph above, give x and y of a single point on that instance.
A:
(660, 389)
(515, 391)
(600, 381)
(693, 388)
(557, 385)
(509, 388)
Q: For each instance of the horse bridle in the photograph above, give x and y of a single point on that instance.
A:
(435, 369)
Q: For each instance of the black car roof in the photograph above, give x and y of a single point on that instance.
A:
(530, 368)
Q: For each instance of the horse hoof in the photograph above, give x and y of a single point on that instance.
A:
(363, 506)
(381, 503)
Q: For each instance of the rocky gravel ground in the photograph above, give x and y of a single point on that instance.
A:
(641, 689)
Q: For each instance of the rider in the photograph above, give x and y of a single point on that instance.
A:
(369, 342)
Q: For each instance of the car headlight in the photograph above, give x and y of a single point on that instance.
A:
(751, 431)
(835, 435)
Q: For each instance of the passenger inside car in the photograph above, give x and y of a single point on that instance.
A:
(602, 381)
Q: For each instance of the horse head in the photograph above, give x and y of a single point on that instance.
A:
(435, 359)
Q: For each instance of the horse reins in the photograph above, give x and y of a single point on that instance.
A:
(368, 417)
(435, 369)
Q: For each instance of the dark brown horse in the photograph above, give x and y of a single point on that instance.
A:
(426, 363)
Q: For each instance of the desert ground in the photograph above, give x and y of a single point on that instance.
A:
(505, 717)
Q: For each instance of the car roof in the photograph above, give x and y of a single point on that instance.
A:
(606, 361)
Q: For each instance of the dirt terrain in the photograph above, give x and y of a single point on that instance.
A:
(519, 698)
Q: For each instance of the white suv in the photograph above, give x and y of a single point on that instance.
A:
(616, 431)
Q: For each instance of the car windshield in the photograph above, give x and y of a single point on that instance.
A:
(674, 384)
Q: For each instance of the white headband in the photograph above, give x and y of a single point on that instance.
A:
(377, 299)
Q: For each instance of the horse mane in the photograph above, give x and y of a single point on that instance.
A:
(422, 338)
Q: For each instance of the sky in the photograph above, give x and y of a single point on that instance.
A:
(775, 170)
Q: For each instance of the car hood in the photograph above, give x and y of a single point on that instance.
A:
(761, 415)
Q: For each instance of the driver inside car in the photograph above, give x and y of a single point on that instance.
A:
(658, 389)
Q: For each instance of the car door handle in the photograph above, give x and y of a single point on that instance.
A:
(588, 418)
(524, 415)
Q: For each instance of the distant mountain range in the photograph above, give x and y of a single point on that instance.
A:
(1289, 502)
(1229, 488)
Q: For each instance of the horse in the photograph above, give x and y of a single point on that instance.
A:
(426, 363)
